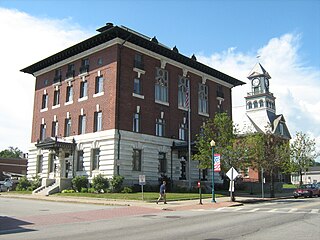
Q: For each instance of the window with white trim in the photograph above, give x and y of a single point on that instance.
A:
(83, 88)
(136, 160)
(136, 122)
(182, 92)
(56, 97)
(82, 124)
(160, 127)
(54, 129)
(69, 94)
(80, 160)
(95, 158)
(67, 127)
(39, 163)
(203, 98)
(97, 121)
(43, 131)
(162, 162)
(44, 101)
(137, 87)
(99, 85)
(161, 85)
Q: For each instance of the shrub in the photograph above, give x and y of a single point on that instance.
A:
(91, 190)
(35, 182)
(100, 183)
(127, 190)
(79, 182)
(23, 184)
(84, 190)
(68, 191)
(116, 183)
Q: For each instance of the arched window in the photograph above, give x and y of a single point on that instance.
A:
(255, 104)
(261, 103)
(249, 105)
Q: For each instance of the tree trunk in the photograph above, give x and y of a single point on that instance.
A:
(300, 173)
(271, 184)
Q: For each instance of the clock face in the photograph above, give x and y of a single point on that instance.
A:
(255, 82)
(266, 81)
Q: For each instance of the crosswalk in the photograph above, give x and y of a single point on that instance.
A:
(264, 209)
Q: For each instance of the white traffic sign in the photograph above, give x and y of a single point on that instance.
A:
(142, 179)
(232, 174)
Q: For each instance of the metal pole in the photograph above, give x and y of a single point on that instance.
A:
(213, 197)
(262, 183)
(189, 136)
(231, 185)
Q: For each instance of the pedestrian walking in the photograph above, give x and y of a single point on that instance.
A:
(162, 193)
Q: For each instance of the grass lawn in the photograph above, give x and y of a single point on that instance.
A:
(290, 186)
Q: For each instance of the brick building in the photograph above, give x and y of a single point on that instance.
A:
(116, 104)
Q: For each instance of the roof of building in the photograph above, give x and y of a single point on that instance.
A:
(110, 32)
(258, 71)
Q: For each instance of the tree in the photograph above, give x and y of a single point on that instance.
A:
(303, 153)
(222, 131)
(270, 152)
(11, 152)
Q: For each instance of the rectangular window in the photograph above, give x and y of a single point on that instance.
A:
(138, 61)
(56, 97)
(99, 84)
(137, 89)
(183, 132)
(57, 76)
(83, 89)
(54, 130)
(203, 99)
(97, 121)
(44, 101)
(39, 163)
(52, 157)
(160, 127)
(161, 85)
(84, 66)
(80, 161)
(136, 160)
(136, 122)
(162, 162)
(43, 132)
(82, 124)
(95, 158)
(69, 95)
(70, 71)
(67, 127)
(183, 93)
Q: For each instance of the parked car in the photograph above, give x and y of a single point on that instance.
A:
(307, 190)
(6, 185)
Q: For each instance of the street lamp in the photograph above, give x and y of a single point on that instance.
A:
(213, 144)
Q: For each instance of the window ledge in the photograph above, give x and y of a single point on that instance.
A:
(56, 106)
(83, 74)
(98, 94)
(68, 103)
(44, 110)
(138, 70)
(162, 103)
(137, 95)
(70, 79)
(183, 108)
(203, 114)
(83, 99)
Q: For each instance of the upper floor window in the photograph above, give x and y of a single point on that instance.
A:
(70, 71)
(99, 84)
(69, 95)
(56, 97)
(97, 121)
(138, 61)
(57, 76)
(203, 98)
(95, 158)
(84, 68)
(80, 160)
(183, 130)
(43, 131)
(161, 85)
(82, 124)
(54, 130)
(136, 122)
(44, 101)
(137, 86)
(160, 127)
(183, 92)
(67, 127)
(136, 160)
(83, 89)
(220, 91)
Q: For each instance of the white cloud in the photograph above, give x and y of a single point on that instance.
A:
(24, 41)
(295, 85)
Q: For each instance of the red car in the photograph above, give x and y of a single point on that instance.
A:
(307, 190)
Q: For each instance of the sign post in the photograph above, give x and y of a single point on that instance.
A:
(142, 182)
(232, 174)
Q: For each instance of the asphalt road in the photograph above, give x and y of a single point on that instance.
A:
(280, 219)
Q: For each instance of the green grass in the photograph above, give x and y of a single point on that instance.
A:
(289, 186)
(17, 192)
(148, 196)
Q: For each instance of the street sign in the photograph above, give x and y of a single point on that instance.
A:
(142, 180)
(217, 162)
(232, 174)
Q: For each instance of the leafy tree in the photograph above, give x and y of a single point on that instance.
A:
(303, 153)
(11, 152)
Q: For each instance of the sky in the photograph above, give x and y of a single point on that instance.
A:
(227, 35)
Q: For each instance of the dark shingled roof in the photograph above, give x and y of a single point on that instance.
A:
(110, 32)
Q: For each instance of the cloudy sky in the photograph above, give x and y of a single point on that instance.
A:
(227, 35)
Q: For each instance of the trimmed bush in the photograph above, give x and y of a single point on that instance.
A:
(79, 182)
(100, 183)
(126, 190)
(116, 183)
(68, 191)
(91, 190)
(35, 182)
(84, 190)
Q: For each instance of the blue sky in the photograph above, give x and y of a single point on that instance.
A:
(226, 35)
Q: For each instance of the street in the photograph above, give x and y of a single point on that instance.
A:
(277, 219)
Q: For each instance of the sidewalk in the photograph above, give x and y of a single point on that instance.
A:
(170, 206)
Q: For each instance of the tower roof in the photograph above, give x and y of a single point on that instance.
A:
(258, 71)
